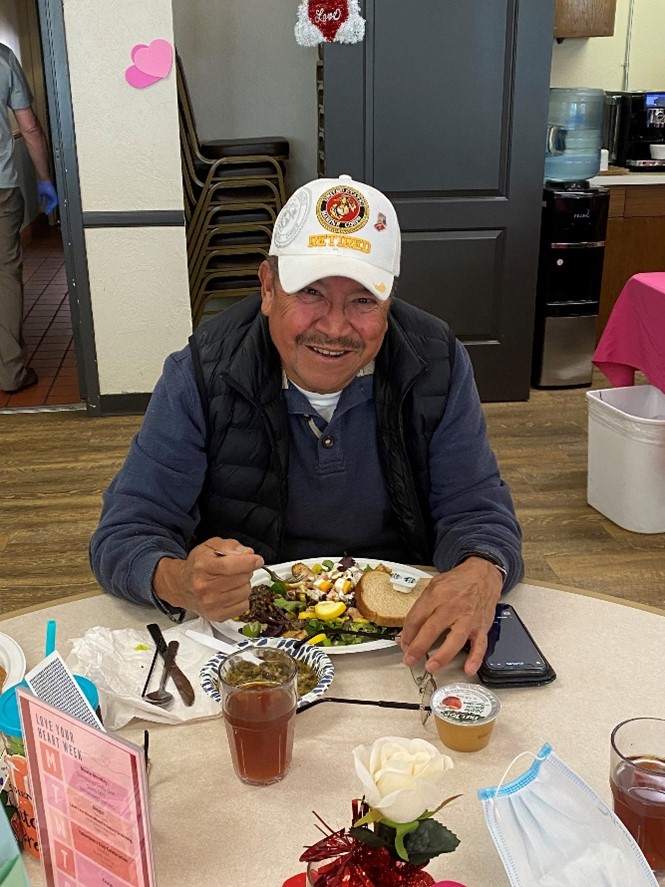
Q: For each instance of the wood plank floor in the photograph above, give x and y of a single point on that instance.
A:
(55, 466)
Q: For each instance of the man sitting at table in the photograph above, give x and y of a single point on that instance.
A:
(319, 416)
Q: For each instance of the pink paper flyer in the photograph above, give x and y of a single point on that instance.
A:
(91, 800)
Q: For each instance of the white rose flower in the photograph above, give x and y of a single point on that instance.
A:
(401, 777)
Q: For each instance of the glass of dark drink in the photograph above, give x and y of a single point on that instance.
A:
(637, 780)
(259, 696)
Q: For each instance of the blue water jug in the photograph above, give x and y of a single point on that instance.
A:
(574, 134)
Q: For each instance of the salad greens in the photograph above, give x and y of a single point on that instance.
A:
(288, 608)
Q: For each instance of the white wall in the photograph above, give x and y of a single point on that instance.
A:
(137, 276)
(127, 139)
(598, 61)
(247, 75)
(129, 159)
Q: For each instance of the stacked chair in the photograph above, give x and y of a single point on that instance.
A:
(234, 189)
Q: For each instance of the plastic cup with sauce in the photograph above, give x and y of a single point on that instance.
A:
(465, 715)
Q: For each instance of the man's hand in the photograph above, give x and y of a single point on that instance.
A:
(212, 586)
(462, 600)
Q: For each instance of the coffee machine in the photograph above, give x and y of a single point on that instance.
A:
(633, 122)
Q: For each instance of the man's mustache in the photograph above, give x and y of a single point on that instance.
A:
(343, 343)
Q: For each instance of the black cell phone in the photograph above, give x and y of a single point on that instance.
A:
(512, 658)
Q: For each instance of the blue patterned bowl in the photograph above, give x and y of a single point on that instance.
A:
(315, 657)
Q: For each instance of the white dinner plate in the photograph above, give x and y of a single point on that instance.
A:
(12, 660)
(402, 575)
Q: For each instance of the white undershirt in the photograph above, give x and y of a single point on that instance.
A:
(325, 404)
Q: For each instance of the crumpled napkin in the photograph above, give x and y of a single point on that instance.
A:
(117, 661)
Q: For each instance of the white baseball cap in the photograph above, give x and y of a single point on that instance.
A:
(337, 227)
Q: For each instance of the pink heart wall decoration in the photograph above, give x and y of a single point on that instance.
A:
(152, 62)
(154, 59)
(138, 79)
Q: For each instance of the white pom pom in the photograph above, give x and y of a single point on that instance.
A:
(307, 34)
(353, 29)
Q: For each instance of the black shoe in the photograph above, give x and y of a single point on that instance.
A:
(31, 378)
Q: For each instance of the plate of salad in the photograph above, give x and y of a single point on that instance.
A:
(313, 601)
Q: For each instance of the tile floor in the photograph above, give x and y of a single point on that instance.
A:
(47, 326)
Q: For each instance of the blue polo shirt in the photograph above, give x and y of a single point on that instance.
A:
(338, 501)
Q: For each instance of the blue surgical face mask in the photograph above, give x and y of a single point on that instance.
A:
(552, 830)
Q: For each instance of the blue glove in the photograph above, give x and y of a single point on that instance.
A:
(48, 196)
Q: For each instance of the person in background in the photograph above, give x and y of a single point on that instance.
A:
(15, 374)
(322, 415)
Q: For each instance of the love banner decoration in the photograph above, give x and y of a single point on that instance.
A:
(325, 21)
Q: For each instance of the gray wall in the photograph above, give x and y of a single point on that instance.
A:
(248, 76)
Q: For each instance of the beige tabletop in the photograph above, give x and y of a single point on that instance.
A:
(210, 829)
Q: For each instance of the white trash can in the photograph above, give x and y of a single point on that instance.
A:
(626, 463)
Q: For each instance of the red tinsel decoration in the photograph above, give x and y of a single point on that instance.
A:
(357, 865)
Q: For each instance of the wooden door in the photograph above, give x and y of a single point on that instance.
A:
(444, 108)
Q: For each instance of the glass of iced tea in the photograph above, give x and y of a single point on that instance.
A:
(259, 696)
(637, 780)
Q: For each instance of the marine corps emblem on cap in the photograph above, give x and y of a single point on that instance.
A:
(342, 209)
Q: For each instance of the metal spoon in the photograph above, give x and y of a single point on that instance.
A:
(160, 696)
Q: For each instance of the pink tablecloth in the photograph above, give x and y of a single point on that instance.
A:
(634, 338)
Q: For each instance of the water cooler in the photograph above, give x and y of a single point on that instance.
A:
(572, 241)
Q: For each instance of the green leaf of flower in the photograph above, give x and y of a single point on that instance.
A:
(367, 836)
(402, 831)
(429, 840)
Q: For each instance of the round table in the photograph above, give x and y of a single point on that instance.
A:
(209, 828)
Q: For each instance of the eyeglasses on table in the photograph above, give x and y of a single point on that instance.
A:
(424, 682)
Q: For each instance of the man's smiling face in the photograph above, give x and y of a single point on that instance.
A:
(326, 332)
